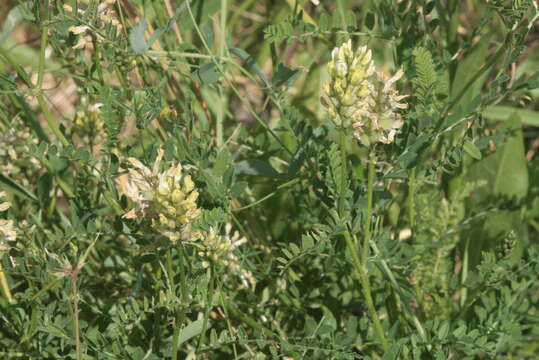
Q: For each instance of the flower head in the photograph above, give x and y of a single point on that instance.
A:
(218, 250)
(383, 121)
(358, 96)
(168, 199)
(349, 89)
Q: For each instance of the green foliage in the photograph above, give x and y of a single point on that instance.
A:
(291, 246)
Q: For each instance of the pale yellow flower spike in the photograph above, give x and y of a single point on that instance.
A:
(359, 97)
(167, 198)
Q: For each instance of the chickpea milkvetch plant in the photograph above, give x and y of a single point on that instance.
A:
(174, 187)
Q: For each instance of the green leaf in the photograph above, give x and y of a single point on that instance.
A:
(506, 179)
(207, 73)
(238, 188)
(466, 71)
(13, 187)
(502, 113)
(44, 186)
(250, 63)
(136, 38)
(14, 17)
(370, 20)
(284, 75)
(505, 171)
(191, 330)
(256, 167)
(472, 150)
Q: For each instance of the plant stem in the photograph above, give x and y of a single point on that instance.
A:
(176, 334)
(75, 314)
(342, 190)
(411, 199)
(211, 286)
(367, 223)
(360, 265)
(5, 285)
(53, 124)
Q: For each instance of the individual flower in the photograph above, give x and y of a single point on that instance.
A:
(359, 97)
(7, 227)
(168, 199)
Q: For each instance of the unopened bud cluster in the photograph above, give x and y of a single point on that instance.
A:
(168, 199)
(89, 124)
(216, 250)
(359, 97)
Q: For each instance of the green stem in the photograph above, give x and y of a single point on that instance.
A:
(53, 124)
(464, 290)
(344, 170)
(360, 265)
(5, 285)
(367, 223)
(411, 199)
(209, 297)
(75, 314)
(222, 48)
(180, 314)
(176, 334)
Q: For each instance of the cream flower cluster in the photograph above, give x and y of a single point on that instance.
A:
(218, 250)
(358, 96)
(7, 228)
(168, 199)
(89, 123)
